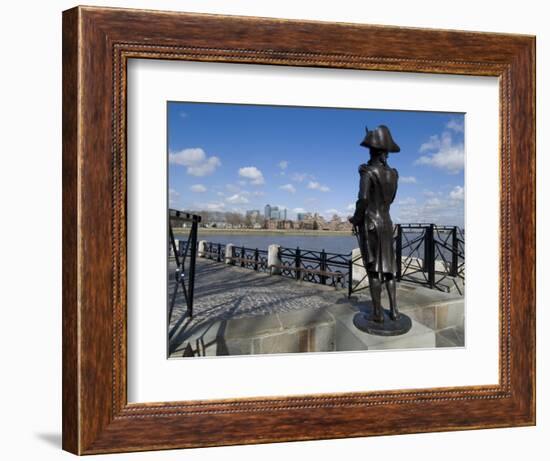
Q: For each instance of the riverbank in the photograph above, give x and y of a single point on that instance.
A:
(267, 232)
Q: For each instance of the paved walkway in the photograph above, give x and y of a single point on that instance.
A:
(240, 311)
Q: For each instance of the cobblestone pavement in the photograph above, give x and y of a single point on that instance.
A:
(224, 293)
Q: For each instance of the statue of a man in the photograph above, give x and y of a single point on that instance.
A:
(372, 220)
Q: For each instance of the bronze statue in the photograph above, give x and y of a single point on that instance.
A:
(374, 229)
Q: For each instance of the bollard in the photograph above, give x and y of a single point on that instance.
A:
(273, 259)
(229, 253)
(202, 248)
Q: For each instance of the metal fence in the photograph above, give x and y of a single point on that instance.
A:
(430, 255)
(426, 254)
(215, 251)
(250, 258)
(315, 266)
(184, 254)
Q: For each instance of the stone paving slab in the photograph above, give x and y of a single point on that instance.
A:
(240, 311)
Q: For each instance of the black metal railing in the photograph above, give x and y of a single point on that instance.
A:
(215, 251)
(250, 258)
(430, 255)
(185, 251)
(426, 254)
(314, 266)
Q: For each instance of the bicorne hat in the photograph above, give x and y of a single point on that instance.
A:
(380, 138)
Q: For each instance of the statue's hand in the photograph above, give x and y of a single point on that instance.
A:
(354, 220)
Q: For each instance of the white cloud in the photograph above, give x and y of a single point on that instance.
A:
(299, 210)
(196, 161)
(436, 210)
(253, 174)
(173, 196)
(288, 188)
(317, 186)
(351, 207)
(198, 188)
(430, 193)
(232, 188)
(300, 177)
(283, 164)
(433, 202)
(407, 180)
(456, 125)
(442, 152)
(457, 193)
(214, 206)
(258, 193)
(407, 201)
(329, 214)
(237, 199)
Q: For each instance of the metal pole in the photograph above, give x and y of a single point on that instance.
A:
(350, 276)
(399, 251)
(454, 257)
(297, 263)
(430, 253)
(193, 256)
(323, 267)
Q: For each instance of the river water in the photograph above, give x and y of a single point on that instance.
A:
(342, 244)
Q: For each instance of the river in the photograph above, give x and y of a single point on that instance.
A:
(342, 244)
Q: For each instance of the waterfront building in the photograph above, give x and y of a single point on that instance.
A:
(267, 212)
(285, 224)
(270, 224)
(274, 212)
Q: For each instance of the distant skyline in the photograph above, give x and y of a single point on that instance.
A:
(232, 157)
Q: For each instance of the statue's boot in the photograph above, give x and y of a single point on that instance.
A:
(392, 295)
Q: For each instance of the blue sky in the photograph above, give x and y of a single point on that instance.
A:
(227, 157)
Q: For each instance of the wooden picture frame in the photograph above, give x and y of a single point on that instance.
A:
(97, 43)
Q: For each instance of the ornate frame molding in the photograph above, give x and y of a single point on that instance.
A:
(97, 44)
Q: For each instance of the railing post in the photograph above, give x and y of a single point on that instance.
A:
(256, 257)
(323, 267)
(399, 251)
(274, 261)
(203, 247)
(454, 257)
(350, 276)
(242, 256)
(193, 257)
(229, 253)
(180, 249)
(219, 252)
(429, 254)
(297, 263)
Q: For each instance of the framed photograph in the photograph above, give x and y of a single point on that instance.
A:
(281, 230)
